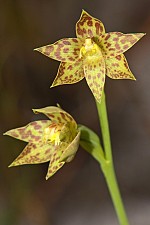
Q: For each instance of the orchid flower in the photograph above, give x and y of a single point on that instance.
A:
(92, 54)
(55, 140)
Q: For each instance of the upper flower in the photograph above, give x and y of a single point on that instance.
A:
(55, 140)
(92, 54)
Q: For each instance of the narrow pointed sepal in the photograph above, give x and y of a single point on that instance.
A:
(95, 76)
(32, 132)
(54, 168)
(34, 153)
(55, 163)
(64, 50)
(56, 114)
(116, 43)
(71, 149)
(69, 73)
(88, 26)
(117, 68)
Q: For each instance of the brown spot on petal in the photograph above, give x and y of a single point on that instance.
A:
(63, 116)
(75, 40)
(14, 134)
(60, 45)
(66, 42)
(51, 115)
(118, 57)
(84, 30)
(97, 25)
(112, 54)
(57, 158)
(107, 37)
(47, 151)
(48, 50)
(132, 41)
(37, 138)
(37, 127)
(29, 133)
(123, 41)
(65, 50)
(79, 31)
(111, 49)
(50, 171)
(58, 118)
(90, 33)
(71, 58)
(115, 64)
(117, 46)
(126, 65)
(90, 23)
(116, 39)
(108, 45)
(57, 54)
(125, 47)
(55, 167)
(103, 79)
(69, 67)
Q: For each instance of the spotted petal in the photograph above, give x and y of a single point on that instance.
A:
(71, 150)
(88, 26)
(117, 68)
(67, 133)
(56, 114)
(65, 50)
(69, 73)
(95, 76)
(55, 163)
(34, 153)
(116, 43)
(31, 132)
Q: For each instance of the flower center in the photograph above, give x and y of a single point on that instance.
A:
(90, 48)
(52, 133)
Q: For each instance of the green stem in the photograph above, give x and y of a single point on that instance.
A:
(102, 112)
(107, 167)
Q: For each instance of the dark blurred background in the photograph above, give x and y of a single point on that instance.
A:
(77, 194)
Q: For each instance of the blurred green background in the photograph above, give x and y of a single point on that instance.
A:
(77, 194)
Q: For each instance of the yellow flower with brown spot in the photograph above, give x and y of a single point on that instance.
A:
(55, 140)
(92, 54)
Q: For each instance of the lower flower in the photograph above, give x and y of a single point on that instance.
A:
(55, 140)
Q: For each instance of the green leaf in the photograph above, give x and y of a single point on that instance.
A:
(90, 141)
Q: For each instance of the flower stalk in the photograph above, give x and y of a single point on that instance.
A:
(107, 165)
